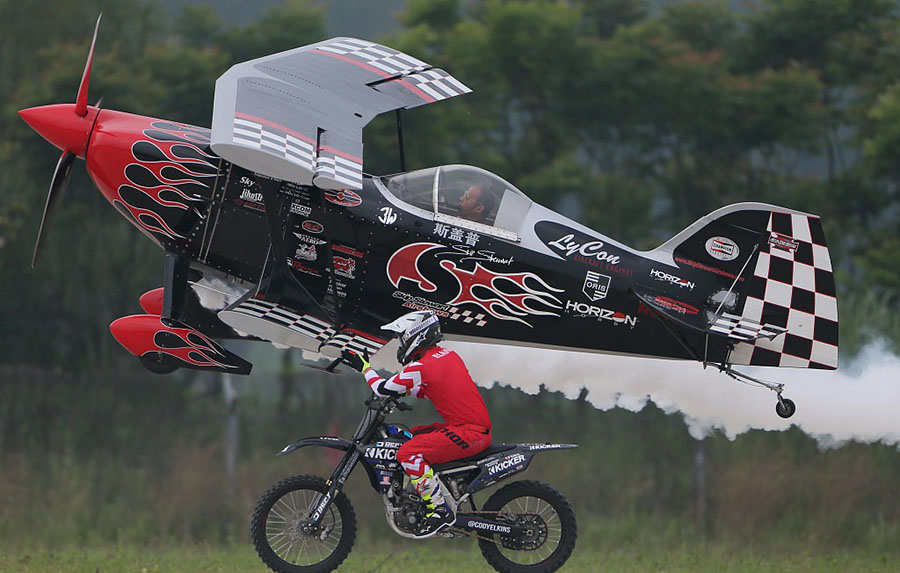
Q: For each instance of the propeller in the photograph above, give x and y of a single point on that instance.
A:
(71, 134)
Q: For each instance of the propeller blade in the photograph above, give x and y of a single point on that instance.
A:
(54, 197)
(81, 101)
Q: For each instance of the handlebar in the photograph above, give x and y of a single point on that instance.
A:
(386, 404)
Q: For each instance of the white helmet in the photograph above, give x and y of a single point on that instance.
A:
(417, 330)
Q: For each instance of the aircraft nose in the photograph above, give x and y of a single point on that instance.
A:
(61, 126)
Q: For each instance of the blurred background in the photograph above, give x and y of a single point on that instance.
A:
(634, 117)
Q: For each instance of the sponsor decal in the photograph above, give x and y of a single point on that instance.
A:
(707, 268)
(675, 305)
(385, 479)
(583, 252)
(301, 209)
(671, 279)
(506, 296)
(544, 446)
(345, 473)
(454, 438)
(254, 196)
(313, 227)
(470, 254)
(309, 240)
(574, 245)
(722, 248)
(419, 303)
(299, 266)
(394, 445)
(584, 310)
(783, 242)
(381, 453)
(452, 233)
(387, 217)
(344, 267)
(343, 197)
(488, 526)
(306, 252)
(595, 286)
(321, 507)
(507, 463)
(347, 250)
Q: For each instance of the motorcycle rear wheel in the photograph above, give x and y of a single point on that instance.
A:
(286, 542)
(548, 516)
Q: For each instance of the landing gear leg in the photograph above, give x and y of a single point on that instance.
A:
(784, 407)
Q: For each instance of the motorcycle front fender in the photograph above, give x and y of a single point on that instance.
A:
(332, 442)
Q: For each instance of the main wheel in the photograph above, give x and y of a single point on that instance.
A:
(288, 542)
(550, 526)
(159, 363)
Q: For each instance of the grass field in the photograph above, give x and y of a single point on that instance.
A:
(441, 555)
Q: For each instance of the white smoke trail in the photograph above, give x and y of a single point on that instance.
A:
(857, 402)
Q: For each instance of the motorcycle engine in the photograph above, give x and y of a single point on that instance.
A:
(409, 509)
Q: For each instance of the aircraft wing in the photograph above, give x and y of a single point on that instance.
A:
(298, 115)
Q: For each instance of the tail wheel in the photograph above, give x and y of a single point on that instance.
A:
(287, 541)
(550, 529)
(785, 408)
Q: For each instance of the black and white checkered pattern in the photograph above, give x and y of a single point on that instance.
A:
(304, 324)
(437, 83)
(388, 60)
(740, 328)
(792, 287)
(467, 316)
(336, 172)
(346, 340)
(267, 138)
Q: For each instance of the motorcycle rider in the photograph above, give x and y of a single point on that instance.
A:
(438, 374)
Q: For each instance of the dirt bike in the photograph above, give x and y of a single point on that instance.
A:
(305, 523)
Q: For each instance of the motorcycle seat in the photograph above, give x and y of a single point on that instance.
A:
(492, 449)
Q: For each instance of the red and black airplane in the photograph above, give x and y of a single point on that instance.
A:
(271, 231)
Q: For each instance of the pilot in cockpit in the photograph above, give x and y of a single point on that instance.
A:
(476, 204)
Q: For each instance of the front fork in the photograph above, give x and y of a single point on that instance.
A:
(335, 483)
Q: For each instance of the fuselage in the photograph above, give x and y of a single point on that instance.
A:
(534, 278)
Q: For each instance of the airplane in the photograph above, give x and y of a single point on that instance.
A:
(272, 231)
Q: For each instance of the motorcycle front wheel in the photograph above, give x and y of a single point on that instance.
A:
(287, 541)
(549, 523)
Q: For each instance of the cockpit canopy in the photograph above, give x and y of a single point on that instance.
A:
(448, 192)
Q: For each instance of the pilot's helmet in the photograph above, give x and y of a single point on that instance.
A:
(417, 330)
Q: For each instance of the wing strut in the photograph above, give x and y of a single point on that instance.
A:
(279, 280)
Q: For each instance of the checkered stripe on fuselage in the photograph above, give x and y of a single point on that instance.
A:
(467, 316)
(792, 287)
(304, 324)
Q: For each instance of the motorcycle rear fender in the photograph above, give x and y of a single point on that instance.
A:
(500, 466)
(332, 442)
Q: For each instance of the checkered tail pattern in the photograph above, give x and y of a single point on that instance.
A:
(792, 289)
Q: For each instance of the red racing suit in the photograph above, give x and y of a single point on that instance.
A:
(442, 377)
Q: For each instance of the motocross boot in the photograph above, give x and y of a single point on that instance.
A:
(438, 514)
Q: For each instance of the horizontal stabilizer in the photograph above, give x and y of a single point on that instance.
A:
(744, 329)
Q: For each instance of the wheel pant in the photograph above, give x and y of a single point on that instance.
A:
(422, 477)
